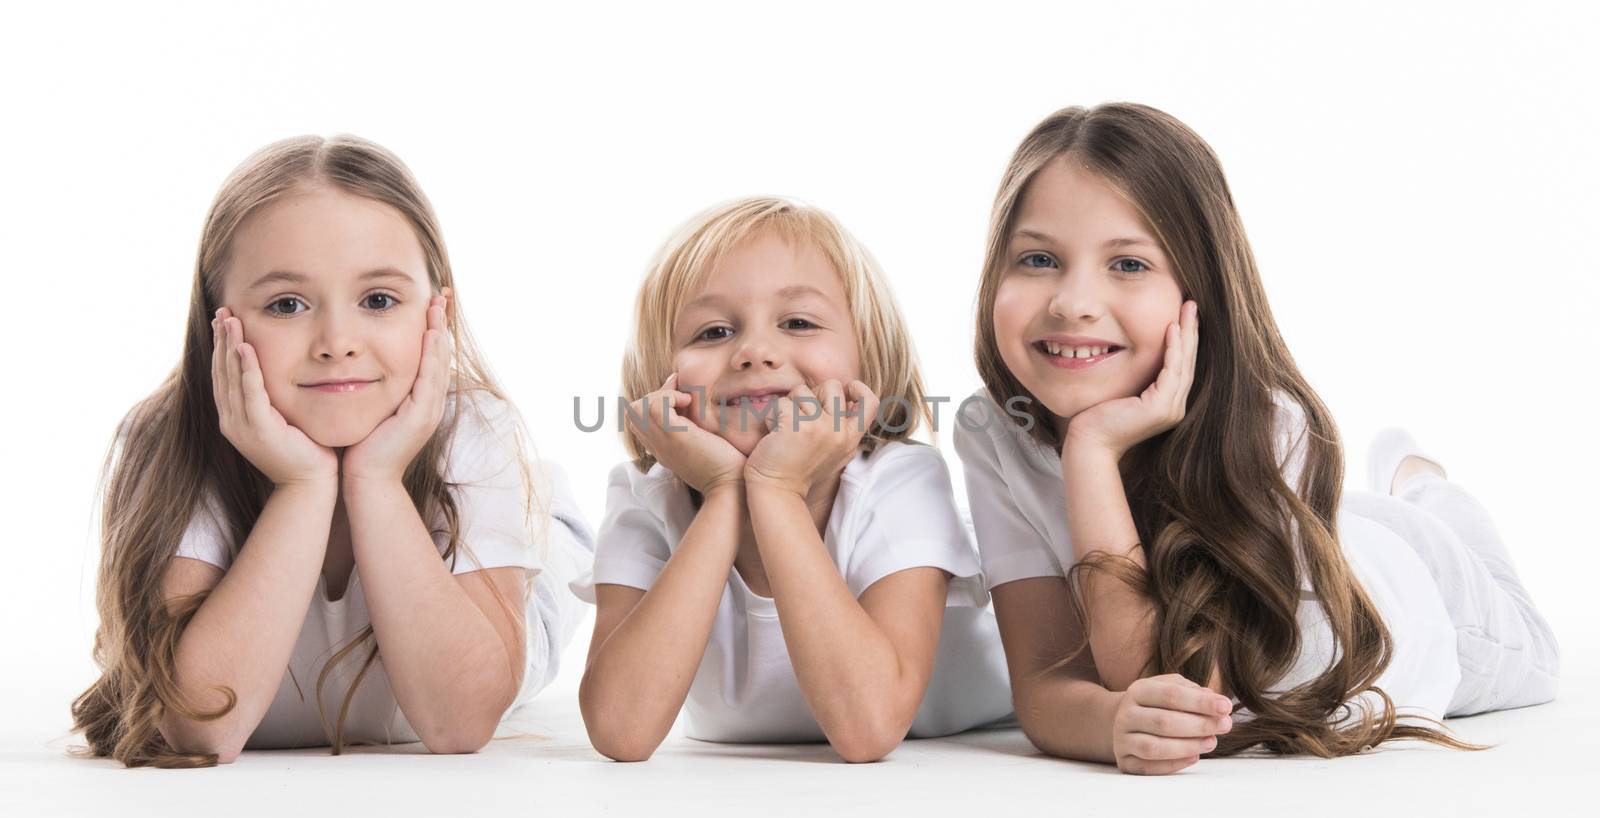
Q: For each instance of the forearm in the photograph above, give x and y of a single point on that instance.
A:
(846, 666)
(244, 633)
(658, 647)
(1120, 620)
(1067, 716)
(453, 674)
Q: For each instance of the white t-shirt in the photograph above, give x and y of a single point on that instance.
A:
(492, 513)
(1019, 511)
(894, 510)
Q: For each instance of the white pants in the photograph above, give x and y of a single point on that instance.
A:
(1508, 654)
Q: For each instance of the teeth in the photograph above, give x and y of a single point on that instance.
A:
(1074, 352)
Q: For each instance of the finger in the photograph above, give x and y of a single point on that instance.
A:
(1159, 721)
(252, 389)
(429, 379)
(831, 393)
(638, 412)
(1190, 699)
(780, 409)
(436, 315)
(1171, 359)
(1191, 342)
(217, 395)
(866, 403)
(1139, 766)
(671, 382)
(233, 370)
(1162, 748)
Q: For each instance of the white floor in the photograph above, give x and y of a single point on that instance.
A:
(1544, 758)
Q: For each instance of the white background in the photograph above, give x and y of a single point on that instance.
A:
(1418, 183)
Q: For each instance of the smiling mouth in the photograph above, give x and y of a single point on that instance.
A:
(339, 386)
(754, 400)
(1075, 357)
(1063, 351)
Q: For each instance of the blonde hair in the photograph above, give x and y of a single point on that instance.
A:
(888, 358)
(169, 452)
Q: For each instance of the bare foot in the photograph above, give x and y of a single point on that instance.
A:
(1410, 467)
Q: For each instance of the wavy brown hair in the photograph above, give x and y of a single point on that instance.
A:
(169, 452)
(1217, 522)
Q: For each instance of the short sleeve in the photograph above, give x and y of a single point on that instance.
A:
(204, 538)
(493, 503)
(1009, 545)
(632, 546)
(910, 521)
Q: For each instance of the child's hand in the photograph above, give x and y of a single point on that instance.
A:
(1116, 426)
(248, 420)
(699, 458)
(1164, 723)
(387, 450)
(795, 459)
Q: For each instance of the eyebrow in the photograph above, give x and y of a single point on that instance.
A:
(792, 292)
(1119, 242)
(290, 277)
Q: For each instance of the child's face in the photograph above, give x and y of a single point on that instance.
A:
(768, 317)
(1085, 273)
(331, 286)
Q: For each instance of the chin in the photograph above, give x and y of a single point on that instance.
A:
(337, 434)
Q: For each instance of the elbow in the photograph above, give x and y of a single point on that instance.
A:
(622, 746)
(869, 740)
(224, 745)
(1031, 721)
(612, 738)
(460, 735)
(865, 748)
(468, 739)
(613, 735)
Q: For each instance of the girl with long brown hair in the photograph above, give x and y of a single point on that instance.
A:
(321, 528)
(1156, 489)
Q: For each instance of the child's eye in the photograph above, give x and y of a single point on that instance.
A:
(806, 323)
(1129, 266)
(392, 301)
(1037, 261)
(272, 311)
(706, 334)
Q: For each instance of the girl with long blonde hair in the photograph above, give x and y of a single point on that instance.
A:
(1158, 505)
(779, 558)
(322, 528)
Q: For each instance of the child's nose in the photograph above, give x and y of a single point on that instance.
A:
(1078, 297)
(336, 337)
(757, 347)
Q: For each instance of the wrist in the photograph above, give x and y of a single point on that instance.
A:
(311, 484)
(1087, 457)
(356, 485)
(769, 489)
(1107, 703)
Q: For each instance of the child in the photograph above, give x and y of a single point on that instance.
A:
(779, 555)
(1148, 502)
(323, 491)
